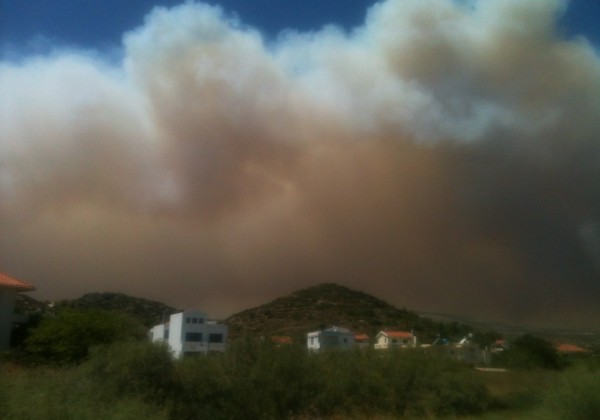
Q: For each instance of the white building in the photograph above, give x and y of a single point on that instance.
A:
(9, 287)
(330, 338)
(395, 339)
(191, 332)
(465, 351)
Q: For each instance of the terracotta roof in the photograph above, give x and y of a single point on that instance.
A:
(397, 334)
(281, 339)
(361, 337)
(8, 282)
(570, 348)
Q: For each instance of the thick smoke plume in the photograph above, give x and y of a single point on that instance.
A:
(443, 156)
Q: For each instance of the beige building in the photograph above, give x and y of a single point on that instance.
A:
(395, 339)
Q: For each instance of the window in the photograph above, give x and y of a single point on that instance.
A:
(215, 338)
(166, 334)
(394, 340)
(188, 320)
(193, 337)
(200, 321)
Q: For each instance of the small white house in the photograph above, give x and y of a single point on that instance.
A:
(465, 351)
(9, 287)
(331, 338)
(191, 332)
(395, 339)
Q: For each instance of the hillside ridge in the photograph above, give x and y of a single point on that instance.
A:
(325, 305)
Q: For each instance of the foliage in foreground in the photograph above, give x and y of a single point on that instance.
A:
(68, 337)
(252, 380)
(530, 352)
(257, 380)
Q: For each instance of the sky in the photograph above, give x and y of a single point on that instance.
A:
(442, 155)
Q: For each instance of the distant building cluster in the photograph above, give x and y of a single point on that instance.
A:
(338, 338)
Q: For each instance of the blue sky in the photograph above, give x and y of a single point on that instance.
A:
(99, 24)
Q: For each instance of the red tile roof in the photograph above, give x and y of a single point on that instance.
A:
(8, 282)
(398, 334)
(281, 339)
(570, 348)
(361, 337)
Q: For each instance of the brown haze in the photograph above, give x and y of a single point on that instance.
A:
(443, 157)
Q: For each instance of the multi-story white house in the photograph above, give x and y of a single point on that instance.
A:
(191, 332)
(395, 339)
(330, 338)
(9, 287)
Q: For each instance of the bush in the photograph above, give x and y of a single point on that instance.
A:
(253, 379)
(138, 369)
(68, 337)
(202, 389)
(530, 352)
(57, 394)
(576, 396)
(430, 384)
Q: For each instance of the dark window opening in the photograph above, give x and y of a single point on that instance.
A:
(193, 337)
(215, 338)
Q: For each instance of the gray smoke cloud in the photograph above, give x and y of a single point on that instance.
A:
(444, 156)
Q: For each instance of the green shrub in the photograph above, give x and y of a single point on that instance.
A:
(268, 381)
(576, 396)
(59, 394)
(431, 384)
(530, 352)
(253, 379)
(202, 389)
(137, 369)
(68, 337)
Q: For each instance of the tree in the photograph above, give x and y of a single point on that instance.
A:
(67, 337)
(530, 352)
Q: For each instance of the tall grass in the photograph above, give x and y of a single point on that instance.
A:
(63, 394)
(256, 380)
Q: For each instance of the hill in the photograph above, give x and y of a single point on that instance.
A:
(148, 312)
(331, 304)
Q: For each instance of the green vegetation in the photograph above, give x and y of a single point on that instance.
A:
(330, 304)
(147, 312)
(85, 363)
(530, 352)
(67, 337)
(90, 364)
(253, 379)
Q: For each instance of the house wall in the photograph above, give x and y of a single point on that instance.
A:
(7, 304)
(382, 342)
(175, 333)
(330, 339)
(312, 341)
(385, 342)
(191, 332)
(157, 333)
